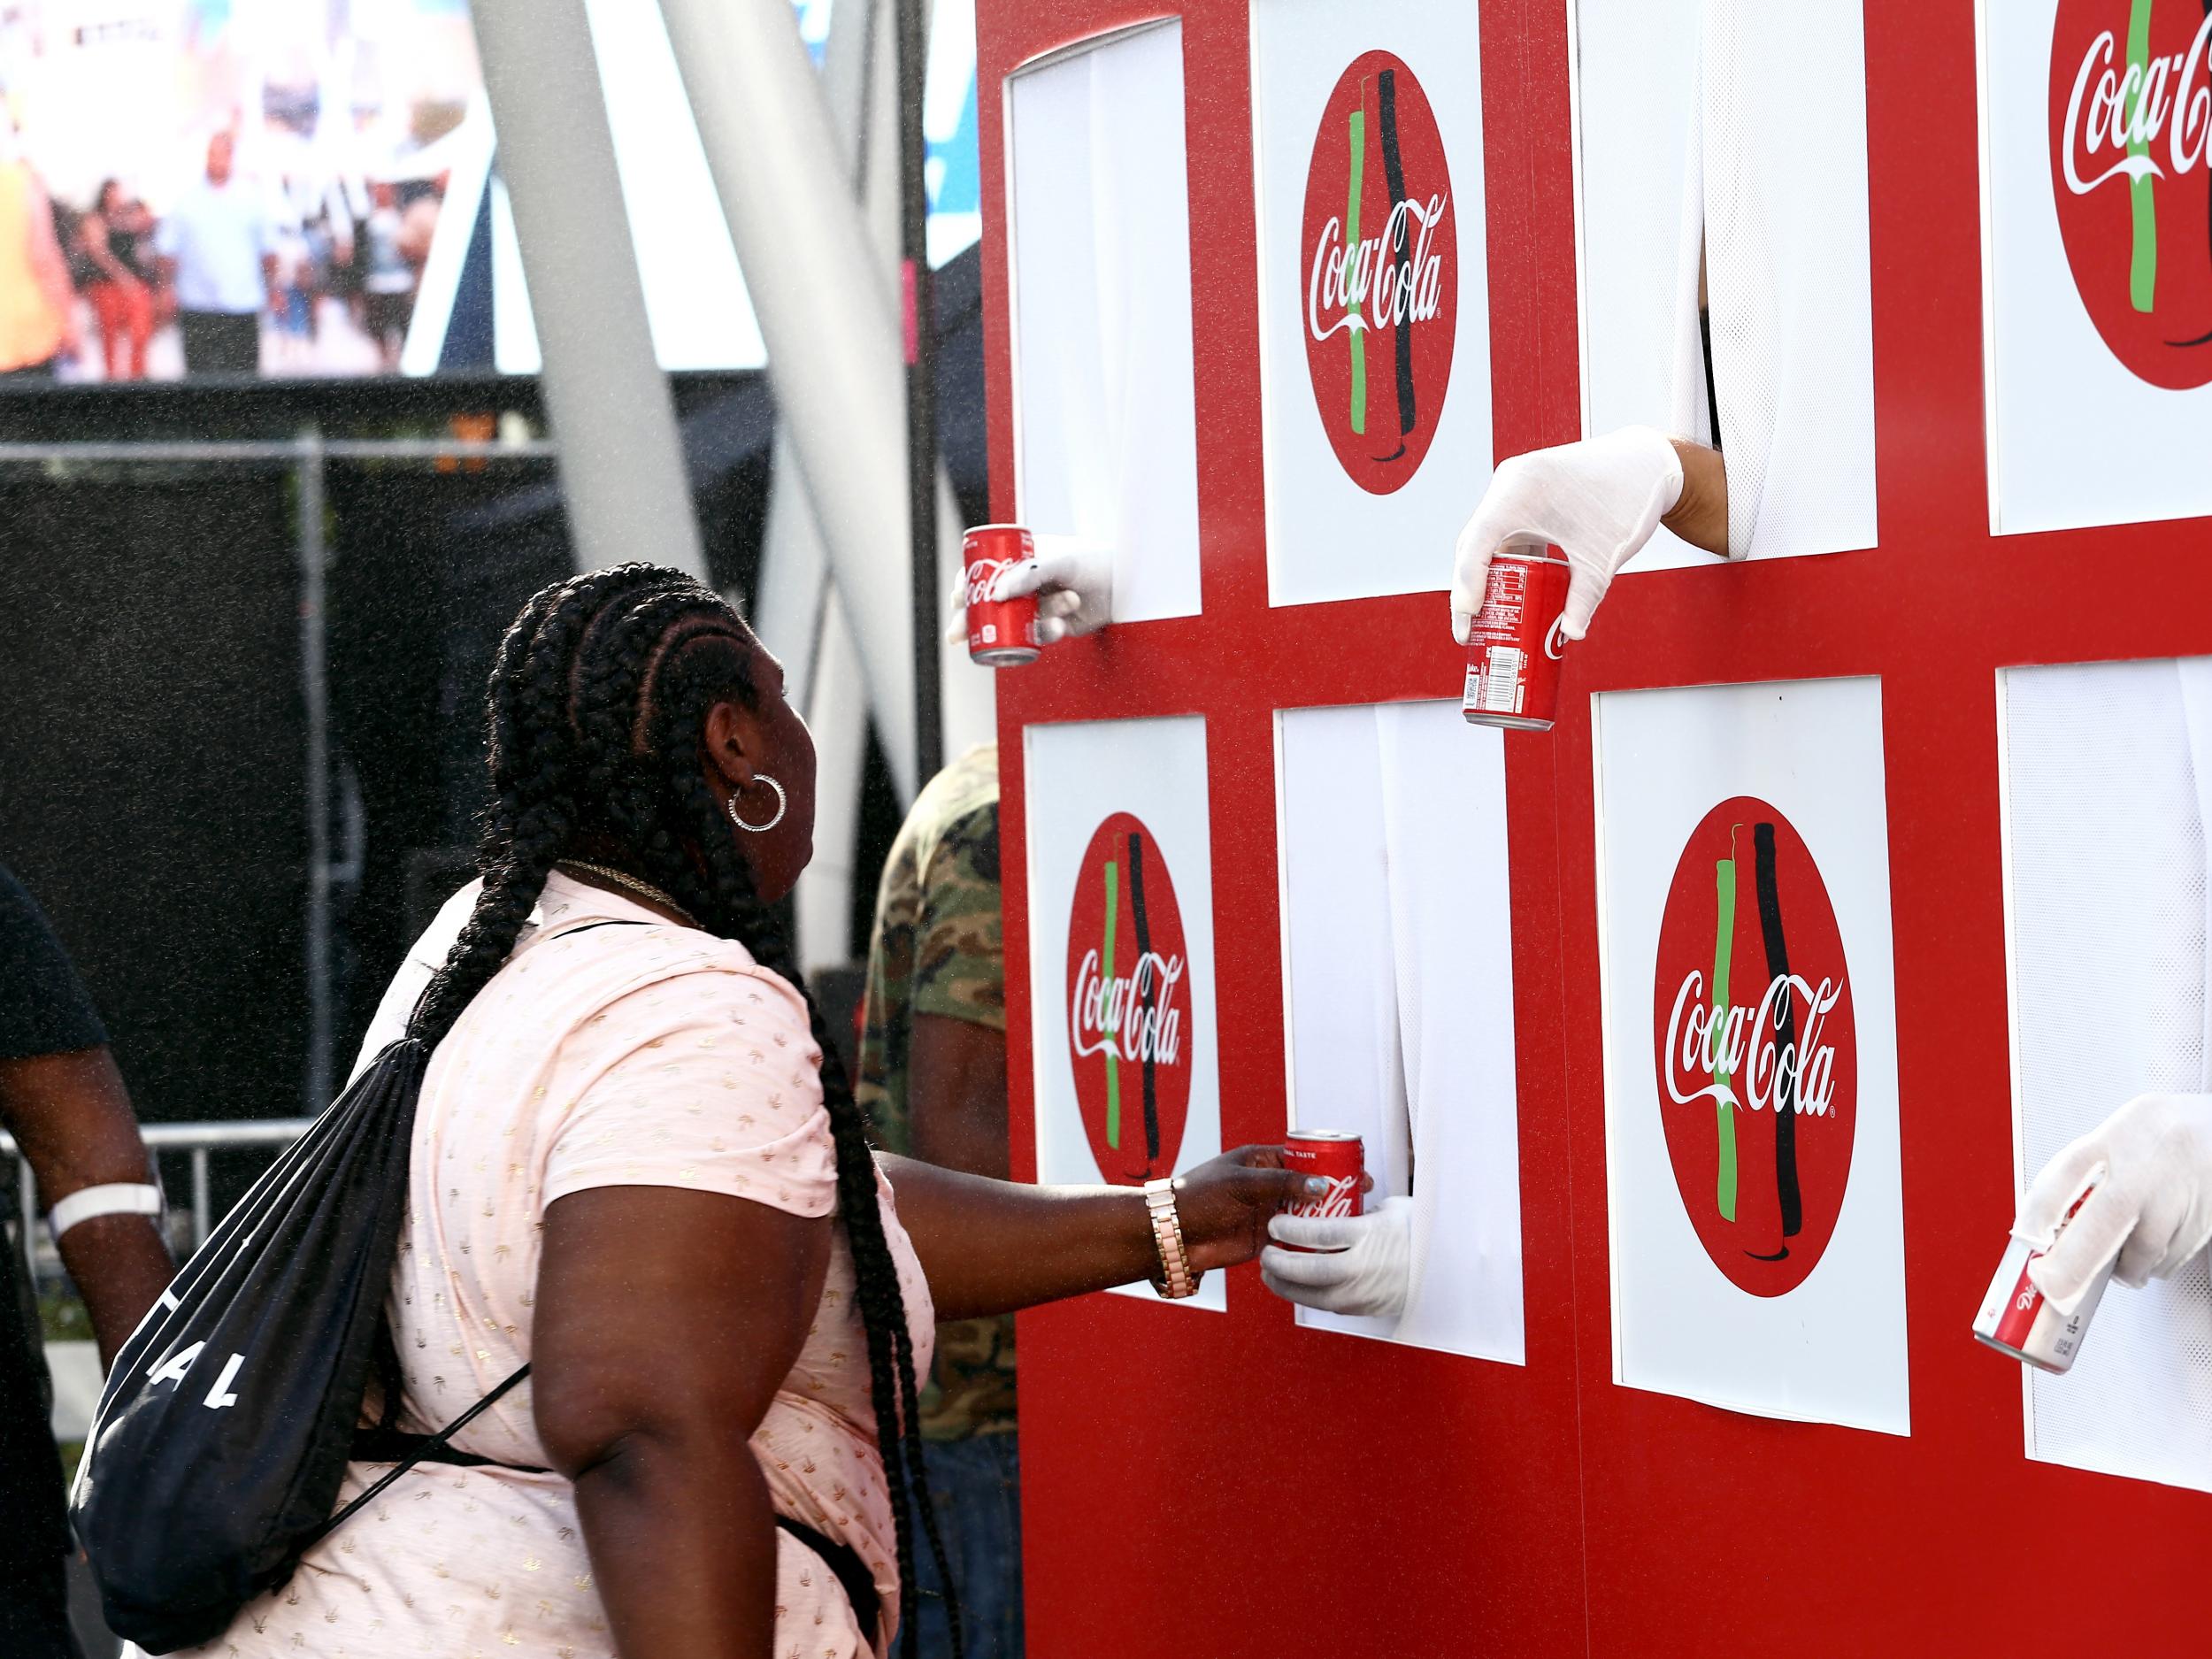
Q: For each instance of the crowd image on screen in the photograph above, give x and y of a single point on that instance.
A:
(220, 190)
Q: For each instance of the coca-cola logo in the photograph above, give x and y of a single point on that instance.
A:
(2130, 113)
(1380, 283)
(983, 576)
(1339, 1199)
(1129, 1004)
(1756, 1051)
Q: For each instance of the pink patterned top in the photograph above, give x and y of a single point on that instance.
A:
(636, 1055)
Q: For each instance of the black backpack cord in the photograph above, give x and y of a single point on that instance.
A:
(426, 1447)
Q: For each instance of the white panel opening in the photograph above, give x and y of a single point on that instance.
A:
(1398, 987)
(1106, 441)
(2105, 771)
(1734, 134)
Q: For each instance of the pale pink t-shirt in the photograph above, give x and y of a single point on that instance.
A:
(635, 1056)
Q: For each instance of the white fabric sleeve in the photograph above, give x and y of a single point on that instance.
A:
(1775, 198)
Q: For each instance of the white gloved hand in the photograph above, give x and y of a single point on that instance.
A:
(1073, 580)
(1597, 502)
(2153, 1204)
(1363, 1264)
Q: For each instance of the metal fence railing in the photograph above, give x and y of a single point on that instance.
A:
(195, 1142)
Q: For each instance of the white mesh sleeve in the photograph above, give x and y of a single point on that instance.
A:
(1775, 198)
(2106, 844)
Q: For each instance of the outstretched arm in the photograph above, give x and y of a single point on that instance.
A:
(994, 1246)
(1701, 515)
(1597, 502)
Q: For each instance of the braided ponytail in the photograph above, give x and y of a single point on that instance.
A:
(533, 809)
(596, 710)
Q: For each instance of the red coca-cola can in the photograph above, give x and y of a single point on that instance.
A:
(1338, 1156)
(1514, 642)
(1001, 632)
(2015, 1317)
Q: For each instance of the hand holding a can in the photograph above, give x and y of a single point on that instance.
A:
(1226, 1204)
(1361, 1263)
(1073, 580)
(2151, 1210)
(1597, 502)
(1037, 591)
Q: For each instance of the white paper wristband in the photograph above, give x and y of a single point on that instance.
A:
(119, 1198)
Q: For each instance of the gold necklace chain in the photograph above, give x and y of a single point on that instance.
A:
(620, 879)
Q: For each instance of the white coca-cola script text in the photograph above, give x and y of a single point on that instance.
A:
(1704, 1043)
(2115, 110)
(985, 575)
(1392, 289)
(1111, 1016)
(1343, 1190)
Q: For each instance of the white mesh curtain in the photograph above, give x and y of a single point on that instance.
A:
(2108, 768)
(1398, 974)
(1734, 133)
(1100, 232)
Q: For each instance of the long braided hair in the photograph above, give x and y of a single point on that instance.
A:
(596, 710)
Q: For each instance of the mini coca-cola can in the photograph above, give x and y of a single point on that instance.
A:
(1514, 642)
(1339, 1158)
(1001, 632)
(2016, 1320)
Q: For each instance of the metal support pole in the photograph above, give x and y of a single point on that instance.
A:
(919, 322)
(823, 902)
(202, 1208)
(315, 697)
(26, 1189)
(622, 467)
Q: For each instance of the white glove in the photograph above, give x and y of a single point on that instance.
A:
(2153, 1204)
(1366, 1267)
(1073, 579)
(1074, 584)
(1597, 502)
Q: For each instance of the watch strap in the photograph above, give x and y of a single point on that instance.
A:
(1176, 1280)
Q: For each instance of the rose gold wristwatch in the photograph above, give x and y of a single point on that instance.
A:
(1175, 1279)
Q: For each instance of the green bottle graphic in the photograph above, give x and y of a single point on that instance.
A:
(2143, 260)
(1356, 332)
(1724, 948)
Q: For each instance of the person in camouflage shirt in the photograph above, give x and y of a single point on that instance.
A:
(932, 1079)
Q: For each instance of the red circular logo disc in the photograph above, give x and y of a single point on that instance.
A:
(1380, 278)
(1757, 1055)
(2130, 121)
(1129, 1004)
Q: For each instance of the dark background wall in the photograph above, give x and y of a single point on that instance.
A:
(151, 768)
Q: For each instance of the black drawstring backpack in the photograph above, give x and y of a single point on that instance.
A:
(227, 1423)
(228, 1418)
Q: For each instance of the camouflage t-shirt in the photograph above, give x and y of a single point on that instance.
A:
(937, 950)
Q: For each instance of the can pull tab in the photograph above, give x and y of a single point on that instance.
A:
(1556, 642)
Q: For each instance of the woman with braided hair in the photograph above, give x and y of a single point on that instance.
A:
(637, 1167)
